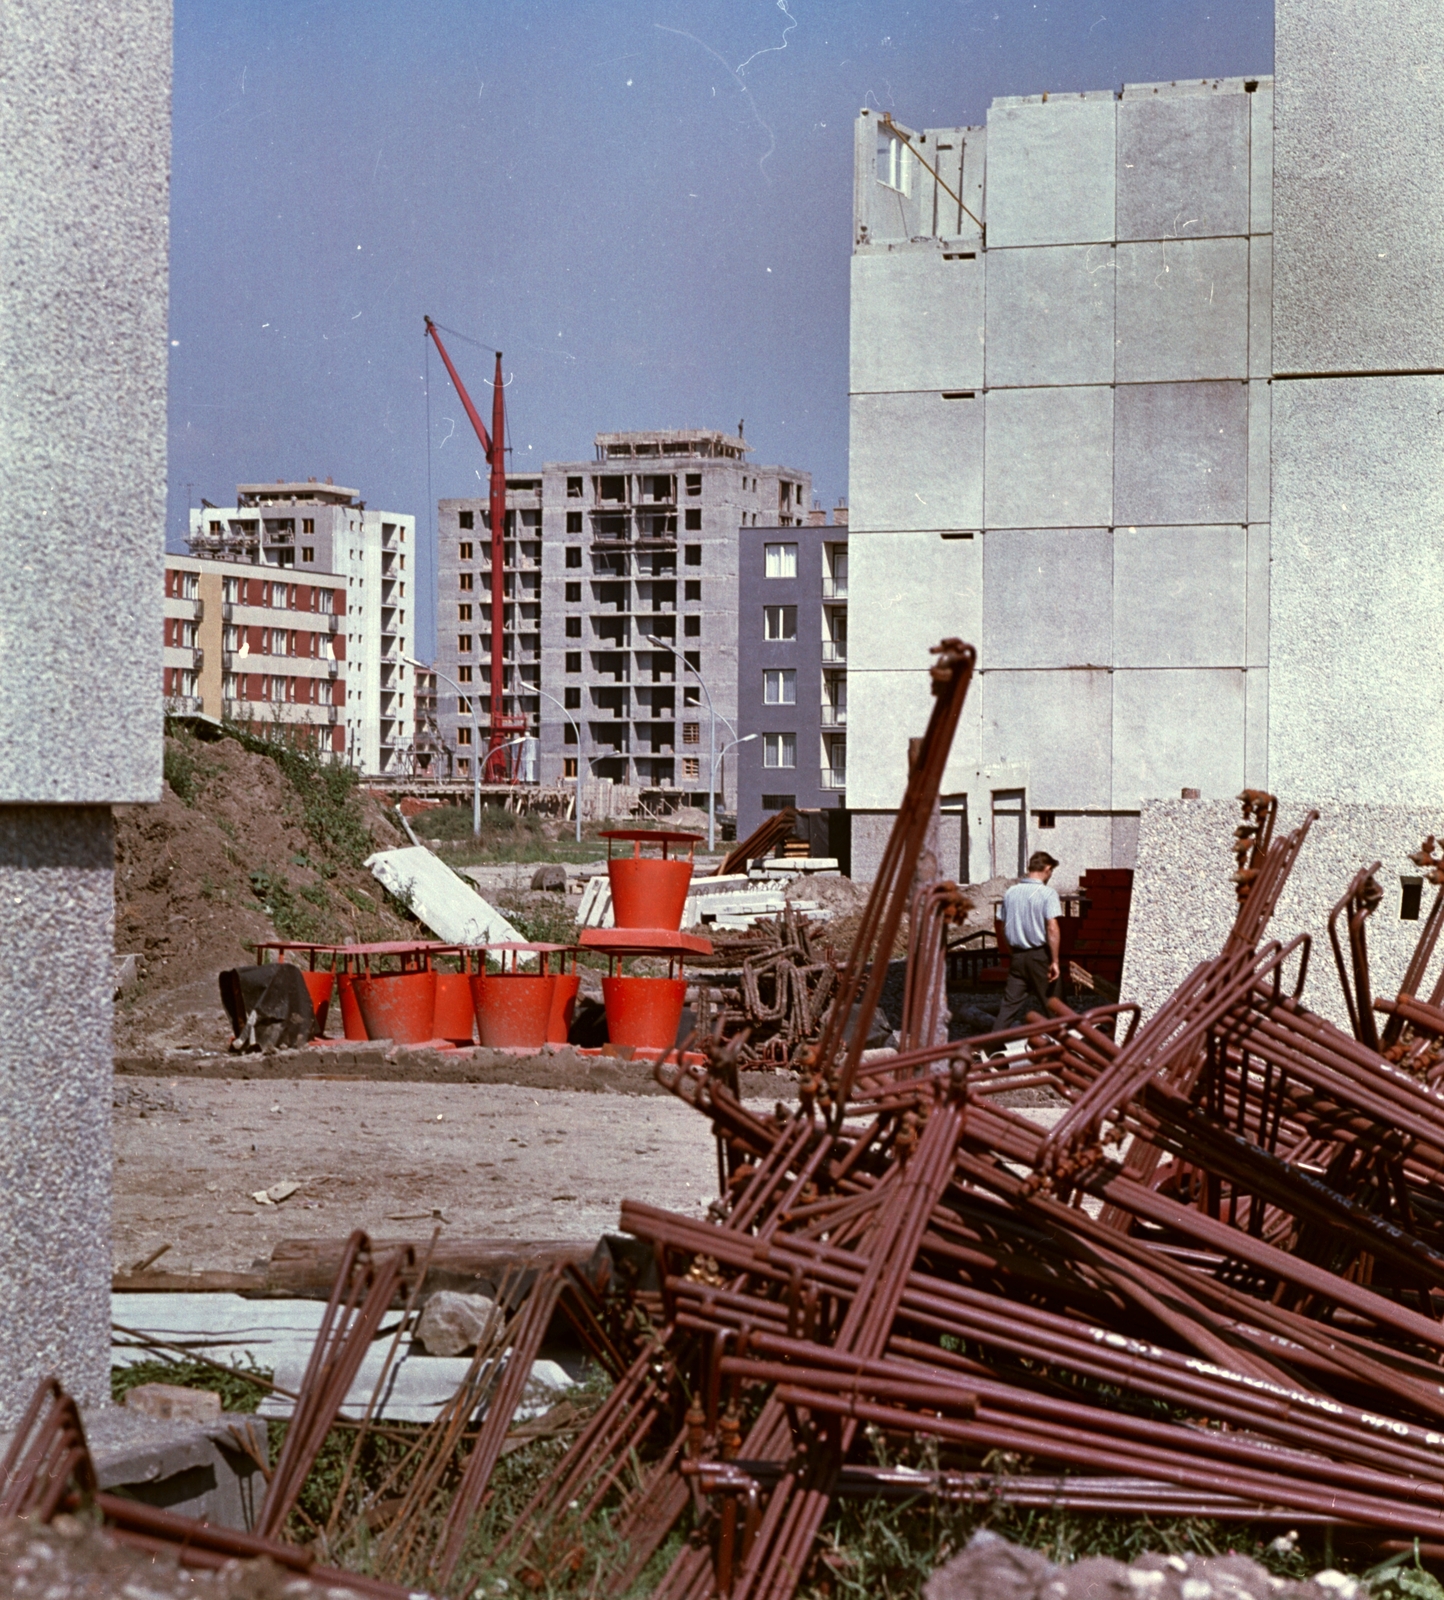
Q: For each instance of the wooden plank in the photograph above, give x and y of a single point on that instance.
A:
(307, 1268)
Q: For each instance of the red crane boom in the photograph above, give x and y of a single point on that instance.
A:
(494, 448)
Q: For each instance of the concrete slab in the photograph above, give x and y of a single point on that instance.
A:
(1256, 647)
(917, 319)
(1183, 310)
(1183, 164)
(1174, 730)
(1051, 170)
(1358, 195)
(1049, 458)
(915, 461)
(920, 588)
(1256, 728)
(900, 703)
(1050, 316)
(1060, 724)
(1261, 160)
(1357, 589)
(1260, 307)
(1040, 598)
(1260, 449)
(1180, 597)
(1180, 454)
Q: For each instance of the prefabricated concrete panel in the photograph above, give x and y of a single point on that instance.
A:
(1125, 839)
(1049, 458)
(57, 929)
(916, 461)
(1051, 171)
(1174, 730)
(1180, 597)
(1356, 640)
(1256, 728)
(1077, 843)
(1046, 598)
(1261, 161)
(1260, 447)
(1050, 316)
(917, 320)
(1180, 453)
(884, 711)
(1358, 187)
(1260, 307)
(1183, 164)
(1060, 723)
(1184, 904)
(84, 168)
(1183, 310)
(1256, 648)
(920, 588)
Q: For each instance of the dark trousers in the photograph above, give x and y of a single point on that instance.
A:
(1028, 987)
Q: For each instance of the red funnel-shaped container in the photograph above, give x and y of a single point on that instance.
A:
(319, 986)
(455, 1012)
(648, 893)
(644, 1012)
(564, 1005)
(398, 1005)
(513, 1009)
(352, 1027)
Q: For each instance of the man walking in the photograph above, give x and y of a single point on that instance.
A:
(1030, 923)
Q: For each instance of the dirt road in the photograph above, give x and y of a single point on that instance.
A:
(496, 1160)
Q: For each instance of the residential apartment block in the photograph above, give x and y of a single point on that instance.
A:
(792, 668)
(603, 558)
(320, 528)
(262, 651)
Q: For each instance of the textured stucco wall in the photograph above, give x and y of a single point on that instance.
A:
(1184, 905)
(84, 173)
(57, 932)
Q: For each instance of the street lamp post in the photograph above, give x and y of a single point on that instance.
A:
(746, 738)
(570, 718)
(475, 744)
(672, 650)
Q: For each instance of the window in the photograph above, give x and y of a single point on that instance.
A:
(778, 802)
(463, 644)
(569, 734)
(694, 591)
(779, 622)
(574, 488)
(574, 627)
(693, 659)
(463, 706)
(574, 594)
(463, 613)
(779, 749)
(308, 524)
(465, 580)
(465, 549)
(894, 163)
(691, 766)
(692, 627)
(1047, 819)
(572, 697)
(463, 735)
(308, 552)
(692, 555)
(779, 687)
(694, 483)
(574, 661)
(691, 695)
(574, 555)
(692, 521)
(569, 766)
(463, 769)
(574, 522)
(463, 674)
(465, 519)
(691, 733)
(780, 560)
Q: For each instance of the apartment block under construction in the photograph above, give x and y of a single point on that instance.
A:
(621, 607)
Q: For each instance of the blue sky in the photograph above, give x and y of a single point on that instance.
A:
(646, 206)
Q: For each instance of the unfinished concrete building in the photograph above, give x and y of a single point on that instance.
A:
(305, 529)
(1150, 410)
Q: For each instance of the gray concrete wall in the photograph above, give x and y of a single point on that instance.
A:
(1184, 905)
(84, 172)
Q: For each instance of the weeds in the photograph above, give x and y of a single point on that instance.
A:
(186, 770)
(291, 921)
(327, 792)
(241, 1388)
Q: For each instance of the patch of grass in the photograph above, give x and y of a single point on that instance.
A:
(290, 920)
(240, 1388)
(186, 769)
(316, 894)
(328, 794)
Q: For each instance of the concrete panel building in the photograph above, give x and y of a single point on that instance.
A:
(321, 528)
(1146, 401)
(791, 669)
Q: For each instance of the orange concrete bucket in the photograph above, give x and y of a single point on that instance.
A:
(319, 986)
(455, 1013)
(644, 1012)
(513, 1009)
(564, 1005)
(398, 1005)
(648, 893)
(352, 1027)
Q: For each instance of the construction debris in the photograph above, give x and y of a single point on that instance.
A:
(439, 898)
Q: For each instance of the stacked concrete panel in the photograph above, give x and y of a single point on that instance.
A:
(1060, 434)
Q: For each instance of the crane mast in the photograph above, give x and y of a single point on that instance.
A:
(493, 446)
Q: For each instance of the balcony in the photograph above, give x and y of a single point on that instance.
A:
(180, 705)
(834, 649)
(834, 777)
(834, 588)
(834, 716)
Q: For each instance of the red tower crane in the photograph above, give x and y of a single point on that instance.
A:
(493, 447)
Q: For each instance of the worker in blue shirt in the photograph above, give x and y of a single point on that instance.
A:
(1031, 909)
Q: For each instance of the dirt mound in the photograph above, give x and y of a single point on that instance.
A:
(237, 850)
